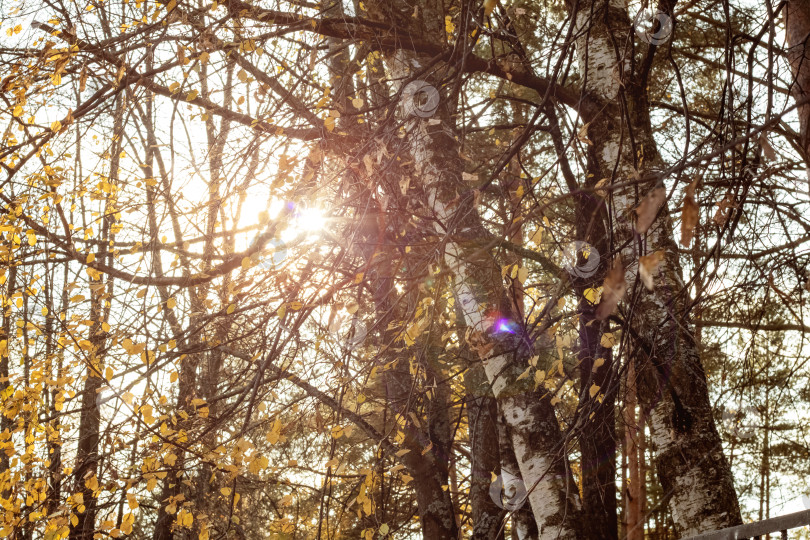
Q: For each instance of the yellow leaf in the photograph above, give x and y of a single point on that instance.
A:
(56, 126)
(608, 340)
(192, 95)
(231, 309)
(597, 364)
(613, 290)
(357, 103)
(108, 373)
(523, 275)
(91, 483)
(489, 6)
(171, 302)
(593, 294)
(273, 434)
(582, 134)
(690, 215)
(539, 377)
(524, 374)
(91, 257)
(593, 390)
(147, 414)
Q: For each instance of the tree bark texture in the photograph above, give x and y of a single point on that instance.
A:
(672, 385)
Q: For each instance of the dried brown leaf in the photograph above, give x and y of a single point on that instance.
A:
(648, 209)
(767, 149)
(613, 290)
(690, 214)
(648, 266)
(582, 134)
(724, 209)
(601, 187)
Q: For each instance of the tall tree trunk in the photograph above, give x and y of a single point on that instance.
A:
(482, 414)
(479, 290)
(523, 525)
(598, 438)
(632, 495)
(6, 388)
(87, 458)
(797, 34)
(672, 384)
(424, 415)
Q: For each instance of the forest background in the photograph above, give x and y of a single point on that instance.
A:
(401, 269)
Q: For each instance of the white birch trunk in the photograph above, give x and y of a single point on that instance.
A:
(689, 459)
(479, 289)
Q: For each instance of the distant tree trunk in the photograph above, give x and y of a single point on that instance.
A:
(428, 439)
(598, 438)
(672, 384)
(428, 459)
(598, 442)
(6, 388)
(797, 26)
(482, 415)
(187, 381)
(55, 372)
(632, 495)
(87, 457)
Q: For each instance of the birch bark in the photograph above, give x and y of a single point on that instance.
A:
(482, 298)
(672, 385)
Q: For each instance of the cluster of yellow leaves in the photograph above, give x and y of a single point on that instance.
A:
(365, 497)
(520, 273)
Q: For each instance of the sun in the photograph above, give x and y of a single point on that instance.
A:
(305, 222)
(310, 220)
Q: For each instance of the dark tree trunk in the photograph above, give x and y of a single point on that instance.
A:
(482, 414)
(797, 26)
(672, 384)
